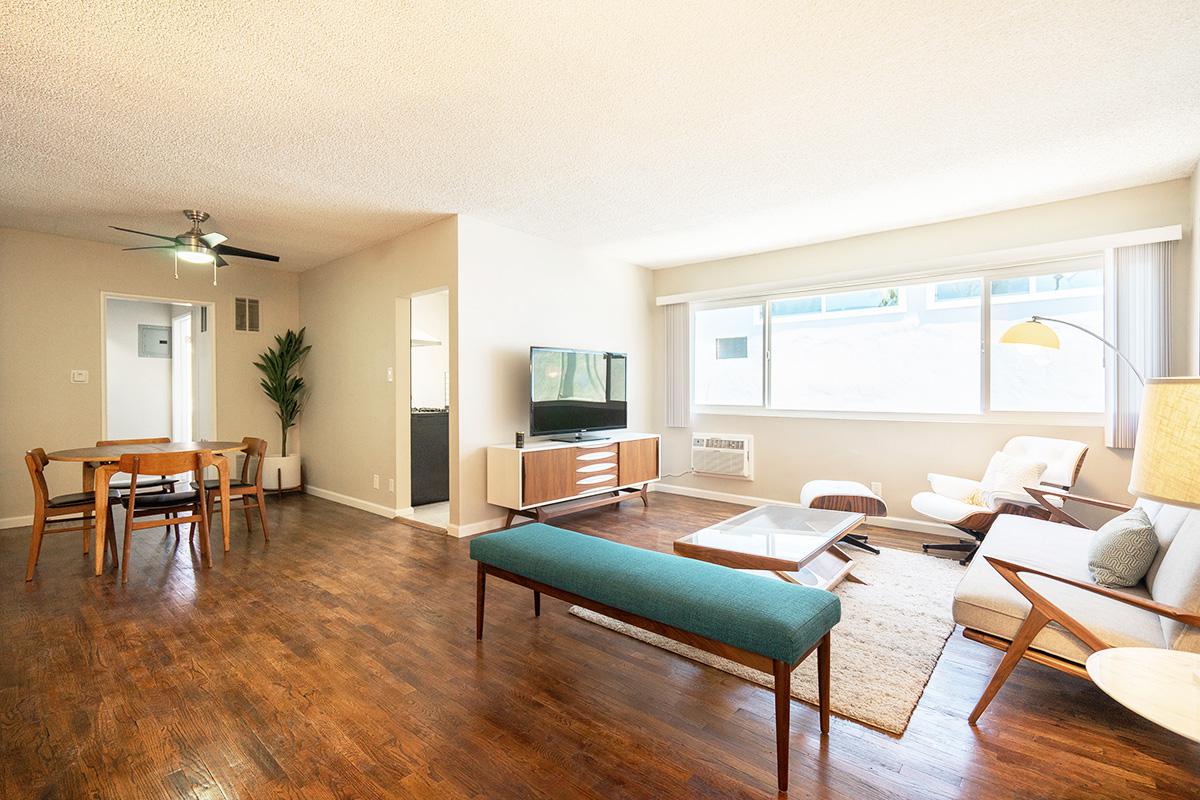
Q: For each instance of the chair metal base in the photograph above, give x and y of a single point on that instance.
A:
(859, 540)
(964, 546)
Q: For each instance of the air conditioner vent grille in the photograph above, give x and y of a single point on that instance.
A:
(725, 455)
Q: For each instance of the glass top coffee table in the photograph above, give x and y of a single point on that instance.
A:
(797, 544)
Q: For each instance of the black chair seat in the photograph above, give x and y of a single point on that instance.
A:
(74, 499)
(163, 500)
(144, 482)
(214, 484)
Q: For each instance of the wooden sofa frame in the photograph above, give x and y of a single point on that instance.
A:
(781, 670)
(1043, 612)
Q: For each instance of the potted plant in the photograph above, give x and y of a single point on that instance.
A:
(282, 383)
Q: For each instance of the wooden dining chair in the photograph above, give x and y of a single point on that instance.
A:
(164, 482)
(47, 509)
(249, 486)
(145, 504)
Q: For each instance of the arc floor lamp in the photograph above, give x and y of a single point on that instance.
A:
(1033, 331)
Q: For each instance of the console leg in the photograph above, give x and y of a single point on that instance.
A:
(537, 604)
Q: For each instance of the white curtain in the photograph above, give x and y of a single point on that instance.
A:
(1137, 321)
(678, 365)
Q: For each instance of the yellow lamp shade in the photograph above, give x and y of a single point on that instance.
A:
(1166, 459)
(1031, 332)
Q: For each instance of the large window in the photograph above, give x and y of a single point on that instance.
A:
(729, 356)
(881, 350)
(908, 348)
(1030, 378)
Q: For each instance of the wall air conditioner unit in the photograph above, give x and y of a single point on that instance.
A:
(725, 455)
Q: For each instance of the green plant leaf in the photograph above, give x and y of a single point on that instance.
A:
(281, 381)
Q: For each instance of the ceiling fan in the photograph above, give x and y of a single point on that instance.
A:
(197, 247)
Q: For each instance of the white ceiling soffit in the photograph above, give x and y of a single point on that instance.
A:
(655, 133)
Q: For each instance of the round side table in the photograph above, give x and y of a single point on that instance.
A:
(1161, 685)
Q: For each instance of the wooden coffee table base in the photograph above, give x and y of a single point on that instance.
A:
(833, 562)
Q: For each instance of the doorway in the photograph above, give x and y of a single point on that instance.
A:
(158, 369)
(429, 410)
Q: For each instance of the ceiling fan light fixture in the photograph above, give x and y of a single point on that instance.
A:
(194, 254)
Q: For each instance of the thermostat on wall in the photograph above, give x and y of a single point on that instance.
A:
(79, 376)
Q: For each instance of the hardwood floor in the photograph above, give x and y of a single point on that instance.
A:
(340, 660)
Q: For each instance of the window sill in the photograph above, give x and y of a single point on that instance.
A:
(1057, 419)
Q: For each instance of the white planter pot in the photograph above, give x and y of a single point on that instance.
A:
(281, 472)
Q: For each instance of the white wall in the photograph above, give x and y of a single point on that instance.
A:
(790, 451)
(137, 390)
(430, 365)
(515, 291)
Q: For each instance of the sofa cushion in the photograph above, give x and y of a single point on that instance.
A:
(766, 616)
(1121, 551)
(1177, 581)
(986, 602)
(1167, 520)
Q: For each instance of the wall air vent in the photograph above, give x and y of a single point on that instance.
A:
(725, 455)
(245, 314)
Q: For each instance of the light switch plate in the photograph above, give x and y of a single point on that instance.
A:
(391, 375)
(79, 376)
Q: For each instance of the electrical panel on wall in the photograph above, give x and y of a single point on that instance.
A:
(154, 341)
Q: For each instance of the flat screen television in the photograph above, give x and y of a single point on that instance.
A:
(575, 392)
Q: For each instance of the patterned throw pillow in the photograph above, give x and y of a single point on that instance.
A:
(1122, 551)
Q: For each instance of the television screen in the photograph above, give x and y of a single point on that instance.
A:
(575, 390)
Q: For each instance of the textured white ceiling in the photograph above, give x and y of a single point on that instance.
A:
(657, 133)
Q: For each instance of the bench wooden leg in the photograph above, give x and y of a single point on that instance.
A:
(823, 682)
(783, 718)
(537, 603)
(480, 581)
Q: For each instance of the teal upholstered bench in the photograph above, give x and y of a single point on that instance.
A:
(765, 624)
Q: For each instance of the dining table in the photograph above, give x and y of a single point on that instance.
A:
(101, 463)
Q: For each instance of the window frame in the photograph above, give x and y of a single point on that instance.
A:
(1091, 261)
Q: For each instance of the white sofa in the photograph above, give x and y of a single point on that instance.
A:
(1162, 611)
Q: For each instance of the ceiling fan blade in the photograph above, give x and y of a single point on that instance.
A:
(153, 247)
(213, 239)
(226, 250)
(220, 261)
(143, 233)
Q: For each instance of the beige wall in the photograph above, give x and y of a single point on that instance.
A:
(1193, 365)
(516, 291)
(50, 290)
(355, 308)
(790, 451)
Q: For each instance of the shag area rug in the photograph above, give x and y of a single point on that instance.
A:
(892, 633)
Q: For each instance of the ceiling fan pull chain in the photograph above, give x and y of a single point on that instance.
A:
(214, 263)
(176, 263)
